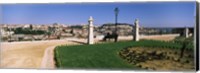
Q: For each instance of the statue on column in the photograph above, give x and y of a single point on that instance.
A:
(136, 30)
(186, 32)
(90, 31)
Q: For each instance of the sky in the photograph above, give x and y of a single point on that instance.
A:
(150, 14)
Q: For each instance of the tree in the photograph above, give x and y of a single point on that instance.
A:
(72, 31)
(185, 43)
(31, 26)
(48, 33)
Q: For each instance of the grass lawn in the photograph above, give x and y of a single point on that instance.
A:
(101, 56)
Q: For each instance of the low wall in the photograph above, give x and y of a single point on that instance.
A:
(165, 37)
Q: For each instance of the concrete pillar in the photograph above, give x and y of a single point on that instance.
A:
(186, 32)
(90, 31)
(136, 32)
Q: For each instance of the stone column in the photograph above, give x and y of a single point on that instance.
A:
(186, 32)
(90, 31)
(136, 32)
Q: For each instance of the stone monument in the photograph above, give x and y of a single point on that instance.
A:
(186, 32)
(90, 31)
(136, 30)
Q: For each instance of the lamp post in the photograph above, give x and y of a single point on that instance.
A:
(116, 16)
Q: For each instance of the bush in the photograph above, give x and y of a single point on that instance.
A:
(28, 31)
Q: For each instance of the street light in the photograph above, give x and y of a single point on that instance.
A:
(116, 16)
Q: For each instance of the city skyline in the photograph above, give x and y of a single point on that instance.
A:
(153, 14)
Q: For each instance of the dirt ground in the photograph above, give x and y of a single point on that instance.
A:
(162, 59)
(161, 37)
(29, 54)
(26, 54)
(48, 59)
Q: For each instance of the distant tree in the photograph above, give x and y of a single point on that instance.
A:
(31, 27)
(20, 38)
(72, 31)
(28, 31)
(77, 26)
(4, 38)
(48, 33)
(18, 30)
(59, 36)
(160, 32)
